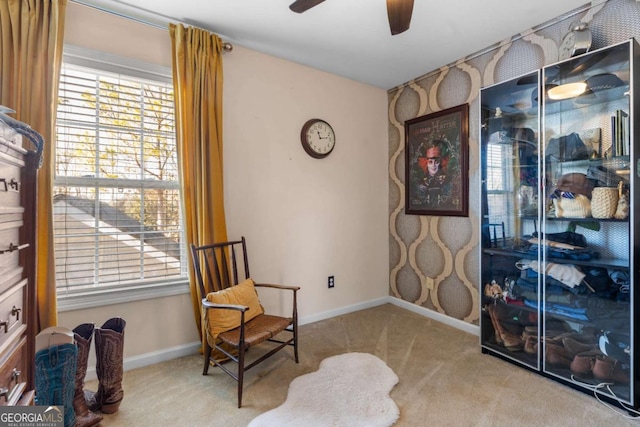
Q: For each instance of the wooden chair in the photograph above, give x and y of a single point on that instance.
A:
(216, 269)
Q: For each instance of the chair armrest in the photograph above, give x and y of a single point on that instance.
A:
(237, 307)
(294, 297)
(285, 287)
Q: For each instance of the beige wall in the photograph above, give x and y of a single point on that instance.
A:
(445, 249)
(304, 219)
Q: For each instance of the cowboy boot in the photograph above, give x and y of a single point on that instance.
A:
(84, 417)
(511, 342)
(54, 378)
(497, 337)
(109, 368)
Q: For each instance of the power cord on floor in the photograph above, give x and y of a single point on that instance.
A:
(607, 386)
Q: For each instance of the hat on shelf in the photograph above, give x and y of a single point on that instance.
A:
(601, 87)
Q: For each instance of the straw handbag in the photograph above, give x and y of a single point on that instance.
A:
(604, 202)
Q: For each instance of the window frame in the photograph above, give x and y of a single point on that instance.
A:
(118, 294)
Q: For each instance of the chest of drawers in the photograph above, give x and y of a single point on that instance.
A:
(17, 268)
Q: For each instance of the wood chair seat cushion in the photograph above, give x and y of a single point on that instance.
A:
(257, 330)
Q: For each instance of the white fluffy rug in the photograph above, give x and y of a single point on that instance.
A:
(350, 390)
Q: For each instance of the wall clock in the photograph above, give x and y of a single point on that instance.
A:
(576, 41)
(318, 138)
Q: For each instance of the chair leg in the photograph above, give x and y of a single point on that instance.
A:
(207, 356)
(240, 373)
(295, 342)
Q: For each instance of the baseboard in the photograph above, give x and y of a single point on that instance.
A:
(442, 318)
(342, 310)
(147, 359)
(164, 355)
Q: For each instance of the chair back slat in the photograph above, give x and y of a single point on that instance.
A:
(246, 260)
(216, 265)
(220, 266)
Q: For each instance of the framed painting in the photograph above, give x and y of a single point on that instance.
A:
(437, 163)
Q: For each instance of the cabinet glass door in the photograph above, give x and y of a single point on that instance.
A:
(587, 239)
(510, 219)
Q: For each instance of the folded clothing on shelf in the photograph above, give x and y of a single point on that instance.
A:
(568, 274)
(576, 313)
(566, 147)
(565, 245)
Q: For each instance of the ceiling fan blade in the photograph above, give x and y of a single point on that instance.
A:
(300, 6)
(399, 12)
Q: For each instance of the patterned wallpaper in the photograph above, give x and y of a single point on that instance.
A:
(434, 261)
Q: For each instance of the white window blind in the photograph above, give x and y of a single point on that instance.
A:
(117, 210)
(500, 185)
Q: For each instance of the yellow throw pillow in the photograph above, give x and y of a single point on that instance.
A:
(220, 320)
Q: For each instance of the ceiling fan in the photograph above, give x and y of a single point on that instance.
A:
(399, 12)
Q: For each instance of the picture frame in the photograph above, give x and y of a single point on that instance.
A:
(437, 163)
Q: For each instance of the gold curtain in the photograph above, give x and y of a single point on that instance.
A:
(31, 35)
(197, 81)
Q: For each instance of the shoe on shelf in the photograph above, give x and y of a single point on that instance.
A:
(575, 347)
(489, 309)
(529, 331)
(555, 355)
(608, 369)
(509, 340)
(531, 344)
(582, 364)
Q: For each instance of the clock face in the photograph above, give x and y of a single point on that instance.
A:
(318, 138)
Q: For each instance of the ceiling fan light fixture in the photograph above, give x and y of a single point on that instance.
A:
(399, 12)
(567, 90)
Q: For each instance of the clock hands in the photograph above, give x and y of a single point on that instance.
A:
(322, 137)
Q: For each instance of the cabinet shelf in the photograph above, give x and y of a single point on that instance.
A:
(597, 262)
(587, 220)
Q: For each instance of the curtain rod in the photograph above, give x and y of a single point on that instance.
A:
(226, 46)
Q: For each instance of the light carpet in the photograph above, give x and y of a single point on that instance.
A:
(350, 389)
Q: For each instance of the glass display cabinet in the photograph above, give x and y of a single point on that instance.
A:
(559, 174)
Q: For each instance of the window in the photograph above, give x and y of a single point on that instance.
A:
(500, 185)
(117, 215)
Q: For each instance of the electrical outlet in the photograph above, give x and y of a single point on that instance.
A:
(331, 283)
(429, 282)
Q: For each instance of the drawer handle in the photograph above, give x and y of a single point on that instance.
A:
(13, 247)
(4, 392)
(5, 323)
(15, 376)
(15, 311)
(12, 185)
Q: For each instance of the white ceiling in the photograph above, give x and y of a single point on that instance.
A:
(351, 38)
